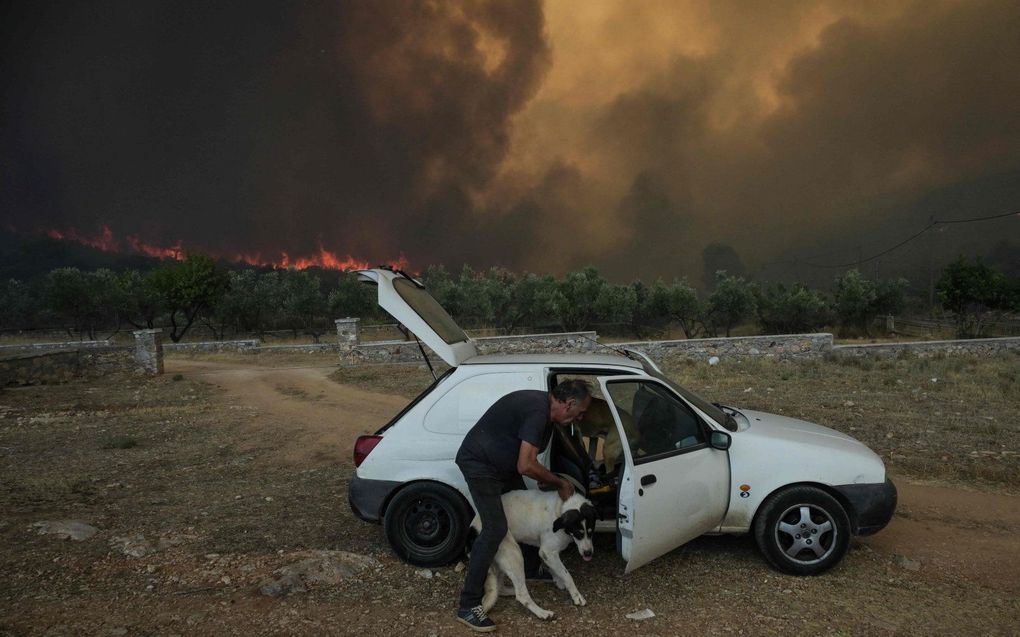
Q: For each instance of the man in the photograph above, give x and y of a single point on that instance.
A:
(501, 448)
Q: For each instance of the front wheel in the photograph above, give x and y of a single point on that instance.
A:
(802, 531)
(427, 523)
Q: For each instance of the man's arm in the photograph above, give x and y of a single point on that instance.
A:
(528, 465)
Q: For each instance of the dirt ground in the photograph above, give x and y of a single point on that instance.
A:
(223, 471)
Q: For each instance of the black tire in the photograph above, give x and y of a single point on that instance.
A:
(802, 530)
(426, 524)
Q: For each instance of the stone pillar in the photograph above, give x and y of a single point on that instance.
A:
(347, 339)
(890, 324)
(149, 351)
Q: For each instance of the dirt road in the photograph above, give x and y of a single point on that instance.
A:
(312, 418)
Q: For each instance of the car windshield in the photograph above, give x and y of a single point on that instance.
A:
(712, 411)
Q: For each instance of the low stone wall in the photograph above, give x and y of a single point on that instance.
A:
(566, 343)
(784, 346)
(212, 347)
(45, 363)
(61, 366)
(927, 349)
(408, 351)
(39, 348)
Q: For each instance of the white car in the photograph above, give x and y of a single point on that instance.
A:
(666, 466)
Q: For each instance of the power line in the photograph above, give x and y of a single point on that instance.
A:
(807, 260)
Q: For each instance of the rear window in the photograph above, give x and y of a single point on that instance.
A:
(430, 310)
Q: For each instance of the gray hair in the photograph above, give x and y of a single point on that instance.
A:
(575, 388)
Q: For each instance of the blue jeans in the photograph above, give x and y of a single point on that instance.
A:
(487, 495)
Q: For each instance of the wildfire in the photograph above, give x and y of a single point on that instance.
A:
(107, 242)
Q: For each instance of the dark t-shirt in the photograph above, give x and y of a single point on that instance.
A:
(491, 448)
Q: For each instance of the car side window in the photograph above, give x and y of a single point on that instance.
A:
(663, 424)
(460, 408)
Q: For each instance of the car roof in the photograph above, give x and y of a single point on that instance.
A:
(553, 359)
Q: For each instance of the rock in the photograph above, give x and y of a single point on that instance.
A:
(289, 583)
(907, 563)
(134, 546)
(714, 360)
(426, 573)
(459, 568)
(641, 614)
(327, 567)
(66, 529)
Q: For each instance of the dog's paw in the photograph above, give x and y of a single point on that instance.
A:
(578, 599)
(542, 613)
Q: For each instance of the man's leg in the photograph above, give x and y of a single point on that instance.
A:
(486, 495)
(532, 561)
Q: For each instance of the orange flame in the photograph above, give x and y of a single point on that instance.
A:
(107, 242)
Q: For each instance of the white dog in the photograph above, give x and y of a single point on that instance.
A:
(541, 519)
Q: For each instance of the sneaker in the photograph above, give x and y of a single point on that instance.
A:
(476, 619)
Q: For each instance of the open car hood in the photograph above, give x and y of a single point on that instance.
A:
(407, 300)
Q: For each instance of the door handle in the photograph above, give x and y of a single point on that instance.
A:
(647, 480)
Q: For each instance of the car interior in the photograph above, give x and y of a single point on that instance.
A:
(590, 451)
(580, 451)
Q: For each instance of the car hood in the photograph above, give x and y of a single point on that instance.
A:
(776, 426)
(826, 454)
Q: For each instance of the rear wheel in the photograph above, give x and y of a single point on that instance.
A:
(802, 531)
(427, 523)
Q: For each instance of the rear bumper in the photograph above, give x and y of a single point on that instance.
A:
(367, 497)
(872, 505)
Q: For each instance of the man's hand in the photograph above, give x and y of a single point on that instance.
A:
(528, 465)
(565, 490)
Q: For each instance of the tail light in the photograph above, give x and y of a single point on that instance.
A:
(364, 446)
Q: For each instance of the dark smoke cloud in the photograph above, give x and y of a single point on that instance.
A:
(259, 128)
(629, 136)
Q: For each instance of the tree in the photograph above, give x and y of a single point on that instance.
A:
(533, 301)
(187, 289)
(730, 304)
(140, 302)
(857, 301)
(793, 310)
(87, 300)
(970, 291)
(19, 304)
(678, 302)
(303, 305)
(575, 304)
(351, 297)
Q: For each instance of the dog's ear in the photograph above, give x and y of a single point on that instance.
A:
(565, 519)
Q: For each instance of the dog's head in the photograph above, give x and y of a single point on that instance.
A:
(579, 524)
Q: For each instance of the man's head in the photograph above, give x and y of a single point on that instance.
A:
(569, 400)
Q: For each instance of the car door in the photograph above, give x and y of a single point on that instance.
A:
(674, 485)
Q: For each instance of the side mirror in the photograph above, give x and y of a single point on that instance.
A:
(720, 440)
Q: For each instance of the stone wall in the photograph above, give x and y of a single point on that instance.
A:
(927, 349)
(785, 346)
(61, 366)
(407, 351)
(60, 362)
(212, 347)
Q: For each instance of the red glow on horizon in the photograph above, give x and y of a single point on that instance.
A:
(325, 259)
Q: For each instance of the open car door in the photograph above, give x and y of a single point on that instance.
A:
(407, 300)
(675, 486)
